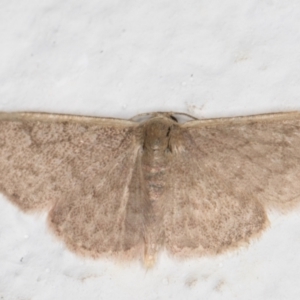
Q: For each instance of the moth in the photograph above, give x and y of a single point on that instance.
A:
(129, 189)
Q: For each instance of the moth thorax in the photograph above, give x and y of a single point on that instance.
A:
(157, 135)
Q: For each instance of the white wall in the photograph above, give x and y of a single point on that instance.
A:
(113, 58)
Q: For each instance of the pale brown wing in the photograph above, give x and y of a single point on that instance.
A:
(224, 175)
(82, 167)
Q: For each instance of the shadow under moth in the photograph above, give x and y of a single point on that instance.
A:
(129, 189)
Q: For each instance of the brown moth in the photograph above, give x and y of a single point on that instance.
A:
(130, 189)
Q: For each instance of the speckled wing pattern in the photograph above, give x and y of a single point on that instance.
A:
(78, 168)
(131, 189)
(228, 172)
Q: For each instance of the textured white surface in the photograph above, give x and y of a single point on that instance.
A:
(121, 58)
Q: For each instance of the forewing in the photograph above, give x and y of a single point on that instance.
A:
(260, 155)
(82, 167)
(224, 174)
